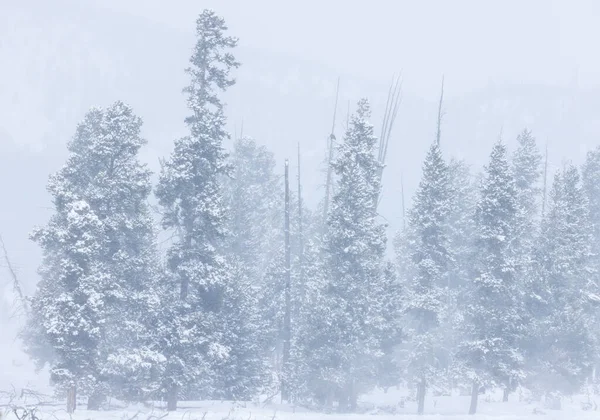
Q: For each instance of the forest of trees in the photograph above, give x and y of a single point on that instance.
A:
(494, 282)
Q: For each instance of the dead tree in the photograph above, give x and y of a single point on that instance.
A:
(16, 284)
(474, 397)
(300, 223)
(403, 206)
(440, 115)
(330, 149)
(389, 117)
(287, 315)
(348, 116)
(545, 185)
(71, 399)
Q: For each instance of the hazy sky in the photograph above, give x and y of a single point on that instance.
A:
(471, 41)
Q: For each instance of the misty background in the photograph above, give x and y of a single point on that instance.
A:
(507, 66)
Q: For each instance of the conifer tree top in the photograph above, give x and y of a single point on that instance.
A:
(210, 64)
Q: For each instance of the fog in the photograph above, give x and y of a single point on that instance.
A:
(506, 66)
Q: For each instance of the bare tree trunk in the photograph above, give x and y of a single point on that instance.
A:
(329, 399)
(71, 399)
(440, 115)
(353, 397)
(353, 402)
(331, 145)
(343, 403)
(300, 225)
(389, 117)
(505, 394)
(474, 396)
(172, 398)
(346, 398)
(16, 284)
(402, 201)
(287, 329)
(421, 388)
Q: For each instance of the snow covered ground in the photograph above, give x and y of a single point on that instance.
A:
(377, 405)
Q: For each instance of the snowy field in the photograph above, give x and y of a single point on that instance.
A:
(377, 405)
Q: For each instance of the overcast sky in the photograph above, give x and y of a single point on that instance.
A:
(58, 63)
(470, 41)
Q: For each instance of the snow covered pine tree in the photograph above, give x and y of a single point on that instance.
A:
(253, 195)
(347, 323)
(199, 340)
(463, 196)
(526, 167)
(91, 310)
(563, 353)
(426, 292)
(493, 324)
(591, 185)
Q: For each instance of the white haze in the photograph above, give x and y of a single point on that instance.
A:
(507, 66)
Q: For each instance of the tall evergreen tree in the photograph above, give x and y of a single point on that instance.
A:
(493, 317)
(562, 351)
(526, 167)
(93, 305)
(427, 292)
(304, 259)
(245, 370)
(253, 193)
(307, 353)
(197, 342)
(393, 334)
(591, 186)
(463, 198)
(346, 336)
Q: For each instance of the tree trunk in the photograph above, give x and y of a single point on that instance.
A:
(95, 400)
(329, 400)
(505, 395)
(343, 400)
(353, 398)
(421, 388)
(353, 403)
(172, 399)
(553, 401)
(474, 396)
(287, 329)
(71, 399)
(536, 394)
